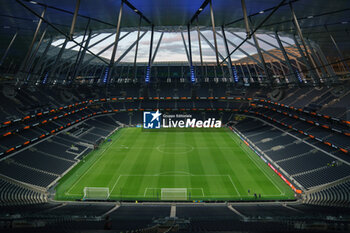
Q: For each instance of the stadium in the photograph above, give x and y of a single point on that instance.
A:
(174, 116)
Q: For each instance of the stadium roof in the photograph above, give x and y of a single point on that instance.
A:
(313, 15)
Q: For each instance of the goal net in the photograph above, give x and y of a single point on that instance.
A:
(173, 194)
(96, 193)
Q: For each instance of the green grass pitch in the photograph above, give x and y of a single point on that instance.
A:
(210, 164)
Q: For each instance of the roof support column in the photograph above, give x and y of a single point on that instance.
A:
(111, 62)
(81, 59)
(31, 58)
(242, 51)
(315, 76)
(200, 48)
(58, 58)
(184, 42)
(305, 60)
(137, 47)
(39, 63)
(25, 60)
(316, 59)
(326, 62)
(262, 59)
(74, 19)
(245, 80)
(250, 74)
(340, 54)
(231, 69)
(193, 76)
(8, 48)
(81, 50)
(212, 46)
(129, 49)
(148, 69)
(286, 58)
(245, 16)
(104, 50)
(156, 51)
(214, 32)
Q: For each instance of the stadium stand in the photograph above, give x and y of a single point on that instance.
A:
(337, 195)
(297, 162)
(13, 195)
(283, 90)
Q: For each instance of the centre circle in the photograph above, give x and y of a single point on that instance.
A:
(175, 148)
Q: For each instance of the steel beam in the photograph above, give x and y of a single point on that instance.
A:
(262, 59)
(29, 52)
(148, 69)
(316, 59)
(115, 45)
(33, 55)
(279, 48)
(316, 76)
(228, 54)
(137, 47)
(192, 71)
(71, 32)
(184, 42)
(151, 48)
(58, 57)
(267, 52)
(189, 44)
(214, 32)
(200, 48)
(260, 24)
(82, 42)
(306, 61)
(242, 51)
(105, 49)
(246, 21)
(212, 46)
(340, 54)
(286, 58)
(8, 48)
(157, 47)
(130, 48)
(81, 59)
(42, 56)
(257, 73)
(250, 74)
(55, 28)
(81, 49)
(240, 66)
(325, 61)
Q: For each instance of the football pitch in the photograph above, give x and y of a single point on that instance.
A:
(174, 164)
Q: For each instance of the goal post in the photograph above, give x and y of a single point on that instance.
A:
(174, 194)
(96, 193)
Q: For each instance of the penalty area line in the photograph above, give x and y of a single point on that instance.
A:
(92, 165)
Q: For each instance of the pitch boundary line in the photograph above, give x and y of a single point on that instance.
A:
(115, 183)
(233, 184)
(109, 146)
(157, 175)
(147, 188)
(247, 152)
(205, 196)
(152, 148)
